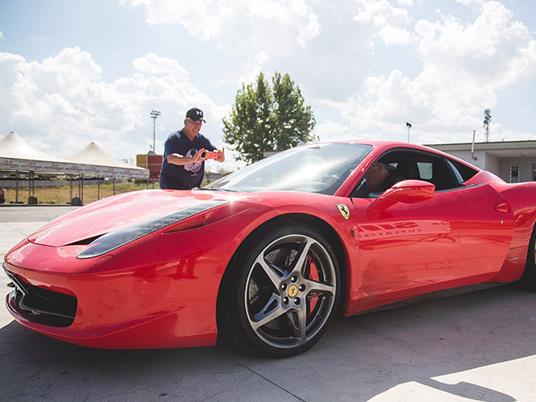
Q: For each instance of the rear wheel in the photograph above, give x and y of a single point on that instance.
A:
(283, 292)
(529, 277)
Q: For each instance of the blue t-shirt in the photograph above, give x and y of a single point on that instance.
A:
(186, 176)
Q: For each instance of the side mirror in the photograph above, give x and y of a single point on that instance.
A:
(407, 192)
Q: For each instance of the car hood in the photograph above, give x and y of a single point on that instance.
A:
(117, 212)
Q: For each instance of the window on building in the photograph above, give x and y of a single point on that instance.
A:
(534, 172)
(514, 174)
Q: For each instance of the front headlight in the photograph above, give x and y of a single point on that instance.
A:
(113, 240)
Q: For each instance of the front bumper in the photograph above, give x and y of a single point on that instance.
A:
(132, 304)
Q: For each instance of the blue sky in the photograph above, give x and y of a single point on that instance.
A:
(75, 72)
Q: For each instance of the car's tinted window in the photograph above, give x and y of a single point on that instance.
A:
(316, 168)
(465, 171)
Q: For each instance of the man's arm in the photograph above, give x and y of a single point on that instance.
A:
(177, 159)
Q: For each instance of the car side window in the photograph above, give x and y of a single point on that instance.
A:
(465, 171)
(443, 176)
(425, 170)
(403, 164)
(456, 172)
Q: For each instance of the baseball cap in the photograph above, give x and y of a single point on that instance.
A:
(195, 114)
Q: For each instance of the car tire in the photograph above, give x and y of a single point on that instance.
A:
(528, 281)
(281, 291)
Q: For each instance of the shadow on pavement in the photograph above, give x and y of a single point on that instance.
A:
(358, 358)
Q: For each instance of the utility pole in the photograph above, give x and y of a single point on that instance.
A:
(154, 115)
(408, 125)
(473, 146)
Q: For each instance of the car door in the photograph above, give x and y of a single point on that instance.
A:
(458, 237)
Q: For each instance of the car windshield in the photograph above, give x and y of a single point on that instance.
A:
(315, 168)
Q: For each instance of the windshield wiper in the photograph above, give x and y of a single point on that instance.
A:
(215, 189)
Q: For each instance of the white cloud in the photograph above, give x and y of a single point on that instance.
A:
(252, 35)
(253, 68)
(151, 64)
(406, 3)
(471, 3)
(1, 35)
(64, 102)
(329, 130)
(464, 69)
(254, 21)
(390, 22)
(307, 39)
(204, 19)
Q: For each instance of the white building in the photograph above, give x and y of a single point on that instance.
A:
(512, 161)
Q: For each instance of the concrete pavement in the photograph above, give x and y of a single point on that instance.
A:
(477, 346)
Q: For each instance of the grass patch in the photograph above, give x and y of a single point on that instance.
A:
(61, 195)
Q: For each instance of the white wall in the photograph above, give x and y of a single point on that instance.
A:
(525, 168)
(480, 156)
(493, 164)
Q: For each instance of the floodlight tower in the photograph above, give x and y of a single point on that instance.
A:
(154, 115)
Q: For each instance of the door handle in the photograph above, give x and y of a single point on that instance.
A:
(502, 207)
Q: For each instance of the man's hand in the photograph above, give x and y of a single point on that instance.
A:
(198, 155)
(220, 155)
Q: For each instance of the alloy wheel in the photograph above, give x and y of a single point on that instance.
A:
(290, 291)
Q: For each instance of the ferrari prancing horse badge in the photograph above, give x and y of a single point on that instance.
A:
(343, 209)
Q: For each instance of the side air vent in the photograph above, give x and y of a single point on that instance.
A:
(42, 306)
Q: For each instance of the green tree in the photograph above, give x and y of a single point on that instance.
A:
(268, 118)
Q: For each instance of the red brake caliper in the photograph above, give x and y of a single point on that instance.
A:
(313, 275)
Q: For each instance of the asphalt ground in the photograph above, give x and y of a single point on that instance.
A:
(477, 346)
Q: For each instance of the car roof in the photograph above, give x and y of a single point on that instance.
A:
(383, 145)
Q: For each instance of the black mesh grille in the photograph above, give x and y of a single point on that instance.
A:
(43, 306)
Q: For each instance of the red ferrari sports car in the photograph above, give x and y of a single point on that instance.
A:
(267, 255)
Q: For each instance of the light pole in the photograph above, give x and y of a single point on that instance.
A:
(408, 125)
(154, 115)
(473, 146)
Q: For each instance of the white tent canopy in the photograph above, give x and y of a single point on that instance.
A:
(92, 154)
(14, 146)
(16, 154)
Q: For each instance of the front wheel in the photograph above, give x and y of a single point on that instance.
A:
(286, 289)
